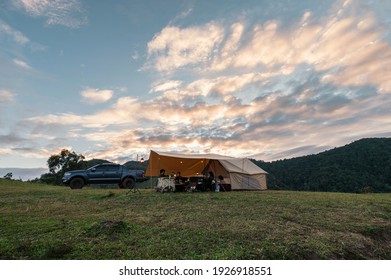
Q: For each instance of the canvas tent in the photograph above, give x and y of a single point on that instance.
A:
(240, 173)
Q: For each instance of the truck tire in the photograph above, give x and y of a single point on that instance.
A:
(128, 183)
(76, 183)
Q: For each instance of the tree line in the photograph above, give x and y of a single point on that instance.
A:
(362, 166)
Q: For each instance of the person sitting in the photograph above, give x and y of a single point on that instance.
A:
(162, 173)
(178, 178)
(179, 182)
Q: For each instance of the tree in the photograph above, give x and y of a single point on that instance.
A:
(65, 161)
(8, 176)
(61, 163)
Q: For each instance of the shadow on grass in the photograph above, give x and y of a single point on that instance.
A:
(381, 233)
(54, 251)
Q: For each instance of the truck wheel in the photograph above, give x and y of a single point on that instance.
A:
(128, 183)
(76, 183)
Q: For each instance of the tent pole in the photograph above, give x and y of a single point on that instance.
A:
(215, 173)
(242, 171)
(151, 166)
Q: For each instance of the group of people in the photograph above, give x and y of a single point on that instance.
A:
(162, 173)
(209, 183)
(212, 184)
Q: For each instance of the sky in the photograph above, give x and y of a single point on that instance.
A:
(255, 78)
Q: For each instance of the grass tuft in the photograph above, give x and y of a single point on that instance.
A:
(109, 195)
(57, 251)
(107, 228)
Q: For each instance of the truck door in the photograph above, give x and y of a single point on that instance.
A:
(96, 174)
(113, 174)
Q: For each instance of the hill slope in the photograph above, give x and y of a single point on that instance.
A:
(48, 222)
(362, 166)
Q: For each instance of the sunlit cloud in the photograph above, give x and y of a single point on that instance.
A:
(22, 64)
(5, 151)
(175, 48)
(346, 49)
(93, 96)
(349, 51)
(122, 112)
(19, 38)
(182, 15)
(135, 55)
(6, 96)
(68, 13)
(16, 35)
(165, 86)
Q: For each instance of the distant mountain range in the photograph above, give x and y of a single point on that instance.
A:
(23, 174)
(362, 166)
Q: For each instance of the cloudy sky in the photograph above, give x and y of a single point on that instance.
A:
(253, 78)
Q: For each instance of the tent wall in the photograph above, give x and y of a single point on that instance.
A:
(241, 181)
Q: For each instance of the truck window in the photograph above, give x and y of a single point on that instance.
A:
(112, 167)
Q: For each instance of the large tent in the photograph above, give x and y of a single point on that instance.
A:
(240, 173)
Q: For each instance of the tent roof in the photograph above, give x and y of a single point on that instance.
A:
(192, 156)
(242, 165)
(192, 163)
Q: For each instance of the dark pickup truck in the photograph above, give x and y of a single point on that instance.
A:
(106, 173)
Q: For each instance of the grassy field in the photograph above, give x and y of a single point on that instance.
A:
(48, 222)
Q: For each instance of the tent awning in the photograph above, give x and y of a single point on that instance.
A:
(192, 164)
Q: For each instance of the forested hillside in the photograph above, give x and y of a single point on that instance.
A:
(362, 166)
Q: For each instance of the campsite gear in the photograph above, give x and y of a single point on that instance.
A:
(197, 183)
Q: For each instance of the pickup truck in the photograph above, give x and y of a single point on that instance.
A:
(106, 173)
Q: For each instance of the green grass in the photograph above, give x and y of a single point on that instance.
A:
(48, 222)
